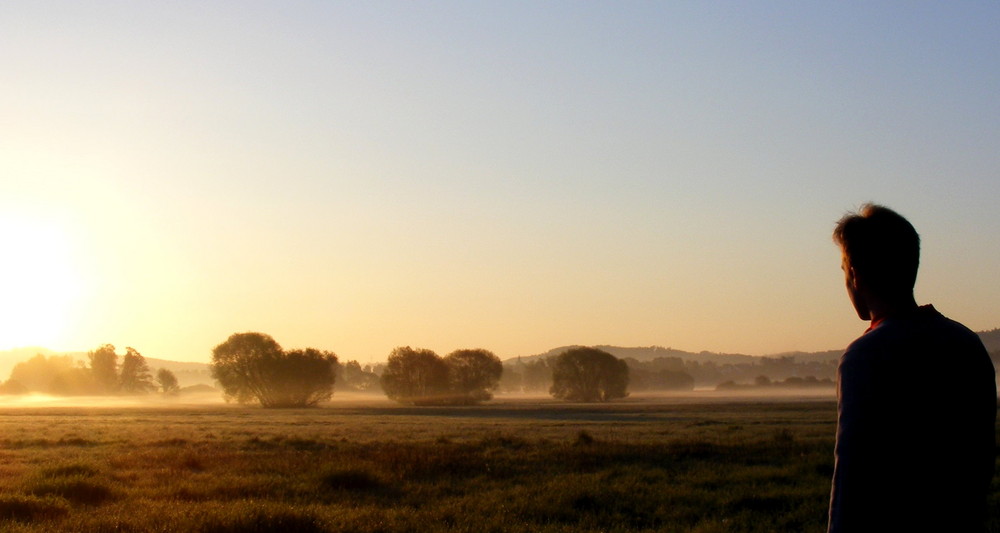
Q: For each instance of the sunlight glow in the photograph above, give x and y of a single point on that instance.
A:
(39, 283)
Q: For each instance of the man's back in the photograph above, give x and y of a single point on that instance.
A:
(915, 438)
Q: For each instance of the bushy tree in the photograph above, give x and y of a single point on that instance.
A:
(473, 375)
(13, 387)
(73, 381)
(102, 375)
(104, 368)
(302, 378)
(167, 382)
(38, 373)
(415, 376)
(252, 367)
(589, 375)
(135, 377)
(421, 377)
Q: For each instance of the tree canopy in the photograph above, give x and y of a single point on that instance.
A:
(473, 375)
(167, 382)
(421, 377)
(415, 376)
(134, 376)
(589, 375)
(253, 368)
(104, 374)
(104, 368)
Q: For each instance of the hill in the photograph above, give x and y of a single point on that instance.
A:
(991, 339)
(651, 353)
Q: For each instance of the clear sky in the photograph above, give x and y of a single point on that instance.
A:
(516, 176)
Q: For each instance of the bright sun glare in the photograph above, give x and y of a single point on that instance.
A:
(39, 283)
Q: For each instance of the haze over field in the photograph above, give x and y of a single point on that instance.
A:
(512, 176)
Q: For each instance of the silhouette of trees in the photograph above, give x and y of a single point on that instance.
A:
(135, 377)
(421, 377)
(589, 375)
(252, 368)
(60, 375)
(660, 374)
(167, 382)
(13, 387)
(39, 372)
(473, 375)
(104, 368)
(352, 376)
(531, 376)
(416, 376)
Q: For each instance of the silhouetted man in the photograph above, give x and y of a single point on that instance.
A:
(916, 396)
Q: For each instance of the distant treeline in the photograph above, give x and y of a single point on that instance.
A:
(104, 373)
(677, 374)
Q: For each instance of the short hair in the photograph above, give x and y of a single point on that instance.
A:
(881, 246)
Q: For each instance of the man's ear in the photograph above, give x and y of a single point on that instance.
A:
(852, 277)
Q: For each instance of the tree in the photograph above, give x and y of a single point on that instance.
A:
(75, 380)
(352, 377)
(13, 387)
(537, 375)
(252, 367)
(473, 375)
(104, 368)
(301, 378)
(38, 373)
(135, 377)
(167, 382)
(589, 375)
(415, 376)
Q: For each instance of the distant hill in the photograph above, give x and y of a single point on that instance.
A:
(991, 339)
(655, 352)
(190, 374)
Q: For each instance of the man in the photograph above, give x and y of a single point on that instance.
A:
(916, 396)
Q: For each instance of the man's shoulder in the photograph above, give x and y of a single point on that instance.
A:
(925, 328)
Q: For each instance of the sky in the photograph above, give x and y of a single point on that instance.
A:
(514, 176)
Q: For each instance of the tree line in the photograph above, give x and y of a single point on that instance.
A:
(677, 374)
(104, 373)
(252, 368)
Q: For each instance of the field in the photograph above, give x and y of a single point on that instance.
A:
(706, 464)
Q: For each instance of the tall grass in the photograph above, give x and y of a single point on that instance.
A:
(632, 466)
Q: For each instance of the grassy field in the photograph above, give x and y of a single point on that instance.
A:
(643, 464)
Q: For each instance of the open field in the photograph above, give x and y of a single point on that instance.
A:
(699, 464)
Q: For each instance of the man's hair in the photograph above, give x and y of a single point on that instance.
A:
(881, 246)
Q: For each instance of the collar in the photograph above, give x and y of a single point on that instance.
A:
(926, 308)
(875, 323)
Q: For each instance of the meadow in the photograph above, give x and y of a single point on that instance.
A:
(686, 464)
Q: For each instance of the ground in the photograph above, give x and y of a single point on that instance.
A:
(694, 463)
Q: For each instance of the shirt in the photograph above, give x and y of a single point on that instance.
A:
(916, 419)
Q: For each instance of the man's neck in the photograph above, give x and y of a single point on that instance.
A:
(888, 308)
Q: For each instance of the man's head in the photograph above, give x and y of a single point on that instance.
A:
(881, 253)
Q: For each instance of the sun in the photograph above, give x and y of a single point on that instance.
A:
(39, 282)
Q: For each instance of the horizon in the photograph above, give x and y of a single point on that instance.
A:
(357, 177)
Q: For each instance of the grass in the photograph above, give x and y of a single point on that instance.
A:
(637, 465)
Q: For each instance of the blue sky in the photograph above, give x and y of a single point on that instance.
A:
(510, 175)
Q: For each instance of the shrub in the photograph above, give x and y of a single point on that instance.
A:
(589, 375)
(252, 367)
